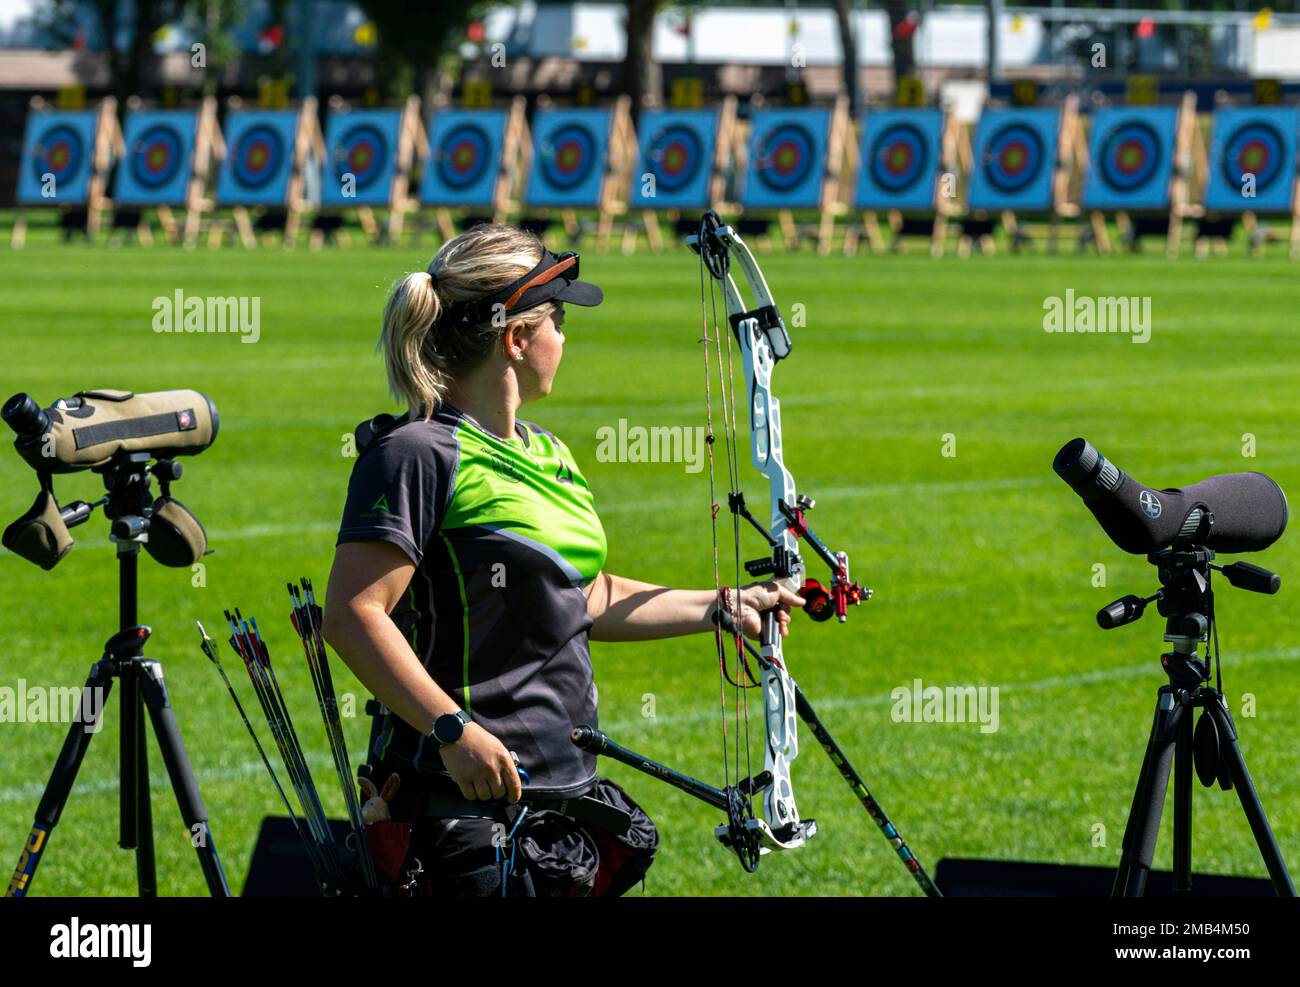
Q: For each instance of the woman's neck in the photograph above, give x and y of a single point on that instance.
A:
(490, 398)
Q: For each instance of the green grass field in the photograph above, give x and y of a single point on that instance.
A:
(982, 562)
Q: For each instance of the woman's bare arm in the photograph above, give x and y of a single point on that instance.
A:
(367, 580)
(624, 609)
(627, 610)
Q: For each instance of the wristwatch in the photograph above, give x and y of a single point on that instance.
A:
(448, 727)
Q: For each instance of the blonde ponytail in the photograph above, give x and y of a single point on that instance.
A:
(414, 374)
(422, 358)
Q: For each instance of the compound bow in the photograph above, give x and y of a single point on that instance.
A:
(763, 340)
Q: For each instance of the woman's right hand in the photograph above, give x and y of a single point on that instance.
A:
(481, 766)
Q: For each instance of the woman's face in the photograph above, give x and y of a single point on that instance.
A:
(542, 350)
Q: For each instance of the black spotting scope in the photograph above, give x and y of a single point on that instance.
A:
(1232, 512)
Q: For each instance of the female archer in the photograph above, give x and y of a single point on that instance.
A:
(468, 582)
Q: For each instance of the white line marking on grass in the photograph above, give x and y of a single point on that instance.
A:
(645, 726)
(272, 530)
(159, 783)
(31, 791)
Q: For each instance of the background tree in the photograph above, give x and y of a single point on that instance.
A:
(642, 78)
(415, 40)
(130, 69)
(848, 53)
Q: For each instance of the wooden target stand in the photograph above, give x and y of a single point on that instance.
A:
(1214, 230)
(611, 201)
(723, 142)
(328, 223)
(512, 169)
(955, 159)
(208, 147)
(1257, 235)
(107, 145)
(1066, 194)
(834, 196)
(308, 143)
(1190, 162)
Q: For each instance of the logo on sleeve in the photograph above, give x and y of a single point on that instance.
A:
(564, 474)
(381, 506)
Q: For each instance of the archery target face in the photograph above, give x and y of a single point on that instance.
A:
(1253, 159)
(786, 157)
(464, 162)
(59, 144)
(60, 151)
(898, 154)
(1255, 148)
(675, 157)
(1013, 158)
(568, 156)
(1130, 156)
(362, 152)
(899, 157)
(257, 156)
(156, 156)
(464, 156)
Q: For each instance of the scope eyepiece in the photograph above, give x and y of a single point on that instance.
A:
(1086, 470)
(27, 418)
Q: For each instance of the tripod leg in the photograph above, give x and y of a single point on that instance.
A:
(855, 782)
(94, 697)
(135, 827)
(1149, 799)
(1250, 803)
(184, 784)
(1183, 806)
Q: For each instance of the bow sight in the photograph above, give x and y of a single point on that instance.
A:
(820, 602)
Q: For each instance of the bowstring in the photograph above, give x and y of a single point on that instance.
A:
(727, 389)
(706, 300)
(742, 671)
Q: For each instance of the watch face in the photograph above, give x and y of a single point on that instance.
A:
(448, 728)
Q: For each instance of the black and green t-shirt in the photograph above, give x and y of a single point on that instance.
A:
(504, 536)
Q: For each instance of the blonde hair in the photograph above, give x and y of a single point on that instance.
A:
(422, 358)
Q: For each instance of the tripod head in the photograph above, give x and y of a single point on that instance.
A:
(1185, 598)
(166, 528)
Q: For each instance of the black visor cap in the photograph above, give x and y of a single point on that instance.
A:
(554, 279)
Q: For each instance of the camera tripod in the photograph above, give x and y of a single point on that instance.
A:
(1186, 601)
(126, 504)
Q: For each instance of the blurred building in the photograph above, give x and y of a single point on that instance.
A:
(747, 47)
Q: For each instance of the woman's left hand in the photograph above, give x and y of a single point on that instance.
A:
(758, 598)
